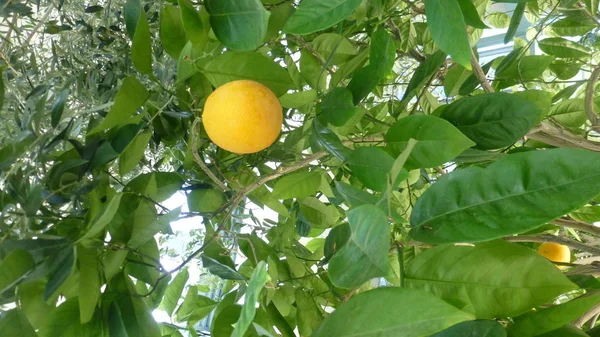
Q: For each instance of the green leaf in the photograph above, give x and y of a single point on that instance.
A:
(315, 15)
(206, 200)
(131, 12)
(172, 33)
(131, 96)
(565, 69)
(318, 214)
(544, 320)
(543, 99)
(221, 270)
(135, 315)
(528, 67)
(313, 71)
(370, 165)
(60, 268)
(349, 67)
(297, 185)
(233, 66)
(515, 21)
(158, 186)
(573, 26)
(57, 107)
(14, 268)
(355, 196)
(587, 214)
(308, 313)
(2, 90)
(298, 99)
(338, 106)
(570, 112)
(116, 327)
(194, 306)
(499, 20)
(279, 16)
(471, 15)
(421, 76)
(173, 292)
(192, 22)
(239, 24)
(258, 280)
(323, 138)
(510, 196)
(471, 83)
(103, 219)
(141, 47)
(566, 331)
(486, 278)
(144, 231)
(383, 313)
(493, 120)
(438, 141)
(14, 323)
(448, 29)
(89, 282)
(591, 6)
(455, 78)
(334, 47)
(364, 256)
(480, 328)
(64, 321)
(563, 48)
(31, 303)
(133, 153)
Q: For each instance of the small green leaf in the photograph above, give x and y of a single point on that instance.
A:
(133, 153)
(173, 292)
(421, 76)
(144, 231)
(141, 47)
(570, 112)
(297, 185)
(57, 107)
(313, 71)
(364, 256)
(370, 165)
(471, 15)
(89, 282)
(315, 15)
(233, 66)
(515, 21)
(308, 313)
(338, 106)
(481, 328)
(172, 33)
(563, 48)
(194, 306)
(258, 280)
(192, 23)
(438, 141)
(318, 214)
(103, 219)
(382, 313)
(510, 196)
(205, 200)
(130, 97)
(239, 24)
(221, 270)
(323, 138)
(14, 268)
(14, 323)
(486, 278)
(573, 26)
(448, 29)
(499, 20)
(354, 196)
(298, 99)
(61, 267)
(131, 12)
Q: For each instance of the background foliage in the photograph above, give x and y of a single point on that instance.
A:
(403, 161)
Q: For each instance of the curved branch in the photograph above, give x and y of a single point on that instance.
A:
(571, 223)
(480, 74)
(199, 160)
(559, 137)
(556, 239)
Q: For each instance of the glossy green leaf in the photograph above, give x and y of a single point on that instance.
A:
(172, 33)
(515, 21)
(493, 120)
(194, 306)
(565, 69)
(297, 185)
(57, 107)
(14, 323)
(315, 15)
(354, 196)
(145, 230)
(308, 313)
(370, 165)
(480, 328)
(560, 47)
(14, 268)
(89, 282)
(141, 47)
(517, 193)
(192, 22)
(573, 26)
(135, 315)
(544, 320)
(31, 303)
(499, 20)
(239, 24)
(338, 106)
(298, 99)
(158, 186)
(421, 76)
(470, 14)
(383, 312)
(524, 68)
(438, 141)
(334, 47)
(448, 29)
(313, 71)
(485, 279)
(364, 256)
(206, 200)
(588, 214)
(566, 331)
(133, 153)
(570, 112)
(258, 280)
(455, 78)
(233, 66)
(131, 13)
(317, 213)
(104, 218)
(323, 138)
(60, 268)
(221, 270)
(174, 291)
(131, 96)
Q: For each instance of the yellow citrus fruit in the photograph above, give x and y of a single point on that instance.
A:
(555, 252)
(242, 117)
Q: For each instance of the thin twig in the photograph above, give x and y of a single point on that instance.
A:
(556, 239)
(587, 316)
(589, 99)
(480, 74)
(571, 223)
(39, 25)
(199, 160)
(560, 137)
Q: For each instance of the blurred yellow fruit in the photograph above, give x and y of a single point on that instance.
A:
(242, 117)
(555, 252)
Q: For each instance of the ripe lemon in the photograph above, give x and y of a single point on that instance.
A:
(242, 117)
(555, 252)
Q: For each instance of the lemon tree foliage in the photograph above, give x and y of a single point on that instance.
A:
(385, 179)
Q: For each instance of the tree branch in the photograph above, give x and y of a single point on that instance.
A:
(587, 316)
(559, 137)
(571, 223)
(556, 239)
(480, 74)
(589, 99)
(199, 160)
